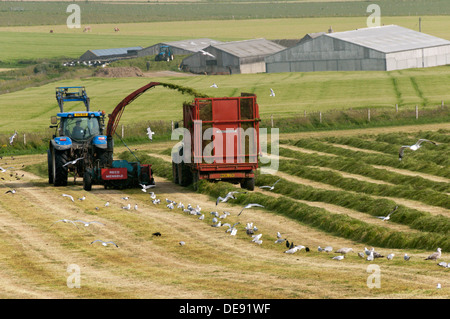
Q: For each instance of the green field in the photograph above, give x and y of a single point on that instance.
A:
(295, 93)
(25, 43)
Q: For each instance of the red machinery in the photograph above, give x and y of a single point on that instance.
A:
(221, 141)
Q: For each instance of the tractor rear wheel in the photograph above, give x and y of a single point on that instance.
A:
(50, 166)
(59, 158)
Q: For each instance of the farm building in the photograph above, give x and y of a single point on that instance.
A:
(381, 48)
(110, 54)
(182, 47)
(245, 56)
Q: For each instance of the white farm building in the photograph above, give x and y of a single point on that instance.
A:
(383, 48)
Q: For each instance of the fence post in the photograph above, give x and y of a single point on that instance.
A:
(24, 139)
(122, 130)
(417, 111)
(320, 116)
(396, 108)
(305, 113)
(271, 119)
(368, 115)
(442, 103)
(172, 125)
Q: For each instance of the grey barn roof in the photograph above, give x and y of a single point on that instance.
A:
(114, 51)
(249, 48)
(389, 39)
(193, 45)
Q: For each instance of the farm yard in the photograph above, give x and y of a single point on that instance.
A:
(337, 171)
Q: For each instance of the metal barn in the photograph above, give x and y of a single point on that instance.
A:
(110, 54)
(235, 57)
(182, 47)
(383, 48)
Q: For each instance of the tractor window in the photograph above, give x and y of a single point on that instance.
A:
(80, 128)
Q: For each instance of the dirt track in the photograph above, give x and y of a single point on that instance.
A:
(35, 253)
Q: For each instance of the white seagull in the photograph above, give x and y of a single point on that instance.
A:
(86, 224)
(69, 196)
(214, 85)
(384, 218)
(105, 243)
(229, 195)
(406, 257)
(390, 256)
(12, 191)
(344, 250)
(206, 53)
(73, 162)
(271, 187)
(272, 93)
(65, 221)
(128, 207)
(338, 257)
(250, 205)
(11, 139)
(150, 133)
(145, 187)
(414, 147)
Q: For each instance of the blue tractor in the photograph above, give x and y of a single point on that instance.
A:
(83, 146)
(79, 140)
(165, 53)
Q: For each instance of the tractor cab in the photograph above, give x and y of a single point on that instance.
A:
(81, 126)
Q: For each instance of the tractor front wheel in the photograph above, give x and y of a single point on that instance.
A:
(87, 181)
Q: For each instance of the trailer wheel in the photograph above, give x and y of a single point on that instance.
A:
(184, 175)
(248, 183)
(59, 158)
(87, 181)
(175, 173)
(50, 166)
(195, 180)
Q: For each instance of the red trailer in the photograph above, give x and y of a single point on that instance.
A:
(220, 142)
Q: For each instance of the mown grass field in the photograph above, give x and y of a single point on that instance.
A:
(307, 207)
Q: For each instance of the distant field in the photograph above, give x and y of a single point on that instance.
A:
(295, 93)
(24, 43)
(46, 13)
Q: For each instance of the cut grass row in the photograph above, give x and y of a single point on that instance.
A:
(375, 159)
(355, 166)
(337, 224)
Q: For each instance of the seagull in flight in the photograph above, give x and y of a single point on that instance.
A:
(86, 224)
(11, 139)
(206, 53)
(12, 191)
(414, 147)
(150, 133)
(145, 187)
(248, 206)
(214, 85)
(271, 187)
(105, 243)
(384, 218)
(69, 196)
(228, 196)
(73, 162)
(272, 93)
(65, 221)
